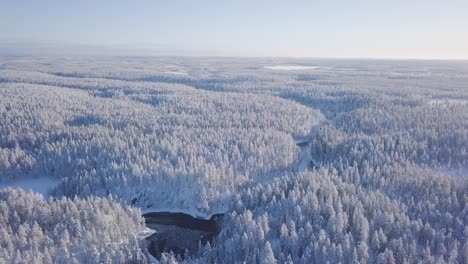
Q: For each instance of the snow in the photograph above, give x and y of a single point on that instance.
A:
(343, 69)
(41, 185)
(447, 101)
(291, 67)
(146, 233)
(304, 67)
(176, 72)
(305, 156)
(153, 260)
(185, 146)
(452, 171)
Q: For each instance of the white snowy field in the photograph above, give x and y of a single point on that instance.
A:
(448, 101)
(42, 185)
(291, 67)
(176, 72)
(122, 136)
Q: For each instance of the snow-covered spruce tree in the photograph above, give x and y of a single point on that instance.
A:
(393, 151)
(315, 217)
(91, 230)
(140, 143)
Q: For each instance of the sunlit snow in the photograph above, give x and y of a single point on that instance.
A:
(176, 72)
(318, 156)
(291, 67)
(41, 185)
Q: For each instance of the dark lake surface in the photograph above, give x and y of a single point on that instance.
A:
(179, 232)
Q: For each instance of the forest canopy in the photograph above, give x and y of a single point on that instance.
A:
(344, 161)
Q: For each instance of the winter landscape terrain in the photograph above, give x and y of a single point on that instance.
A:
(307, 161)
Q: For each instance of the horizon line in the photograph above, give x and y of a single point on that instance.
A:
(14, 49)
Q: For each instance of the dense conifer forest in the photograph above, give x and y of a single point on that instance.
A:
(311, 161)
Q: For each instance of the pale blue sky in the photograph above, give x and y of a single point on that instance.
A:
(359, 28)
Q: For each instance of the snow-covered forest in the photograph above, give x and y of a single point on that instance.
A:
(91, 230)
(345, 161)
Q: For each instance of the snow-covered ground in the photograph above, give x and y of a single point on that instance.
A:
(176, 72)
(42, 185)
(291, 67)
(447, 101)
(146, 233)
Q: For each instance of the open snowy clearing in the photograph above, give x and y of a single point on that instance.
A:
(291, 67)
(176, 72)
(43, 185)
(448, 101)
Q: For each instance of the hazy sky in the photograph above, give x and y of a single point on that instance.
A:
(346, 28)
